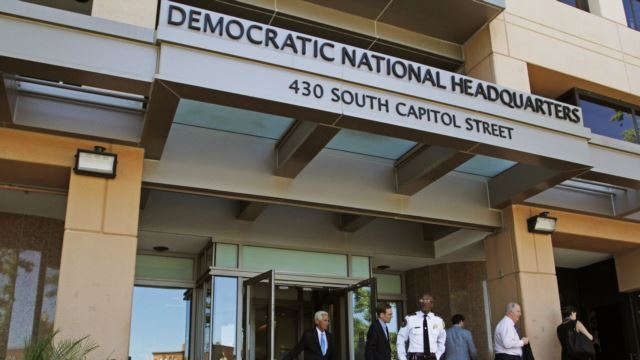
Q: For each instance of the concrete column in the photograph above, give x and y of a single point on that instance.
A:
(138, 12)
(609, 9)
(95, 286)
(521, 268)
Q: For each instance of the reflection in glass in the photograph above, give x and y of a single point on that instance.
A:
(225, 296)
(207, 319)
(394, 325)
(609, 121)
(157, 323)
(632, 11)
(361, 298)
(29, 261)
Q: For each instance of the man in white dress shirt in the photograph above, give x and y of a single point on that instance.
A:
(425, 333)
(507, 342)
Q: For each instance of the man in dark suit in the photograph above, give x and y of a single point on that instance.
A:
(316, 343)
(378, 346)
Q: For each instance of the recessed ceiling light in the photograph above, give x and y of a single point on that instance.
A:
(160, 248)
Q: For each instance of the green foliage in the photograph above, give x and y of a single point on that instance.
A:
(630, 135)
(47, 348)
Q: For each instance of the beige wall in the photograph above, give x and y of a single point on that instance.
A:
(551, 35)
(521, 268)
(98, 251)
(138, 12)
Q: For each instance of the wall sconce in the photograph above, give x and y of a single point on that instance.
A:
(96, 163)
(542, 224)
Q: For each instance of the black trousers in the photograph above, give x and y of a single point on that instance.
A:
(507, 357)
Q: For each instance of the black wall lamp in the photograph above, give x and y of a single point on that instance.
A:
(542, 224)
(96, 163)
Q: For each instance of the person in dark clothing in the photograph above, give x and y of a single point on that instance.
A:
(378, 346)
(569, 324)
(316, 343)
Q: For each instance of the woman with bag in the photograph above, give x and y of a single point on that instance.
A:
(576, 341)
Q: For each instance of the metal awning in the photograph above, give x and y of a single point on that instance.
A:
(451, 20)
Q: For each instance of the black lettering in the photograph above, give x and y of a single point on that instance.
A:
(468, 84)
(249, 32)
(469, 126)
(335, 94)
(194, 19)
(515, 100)
(364, 61)
(383, 104)
(509, 100)
(208, 24)
(438, 81)
(566, 113)
(323, 54)
(576, 115)
(398, 105)
(379, 59)
(347, 100)
(270, 36)
(421, 112)
(349, 57)
(303, 43)
(415, 73)
(539, 108)
(230, 34)
(457, 83)
(290, 43)
(428, 76)
(399, 74)
(172, 10)
(492, 93)
(412, 112)
(548, 103)
(528, 104)
(480, 91)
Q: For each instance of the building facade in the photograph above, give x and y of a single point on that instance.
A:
(274, 158)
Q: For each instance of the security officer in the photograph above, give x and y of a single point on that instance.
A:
(425, 333)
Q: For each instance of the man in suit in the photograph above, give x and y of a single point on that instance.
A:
(459, 344)
(378, 347)
(316, 343)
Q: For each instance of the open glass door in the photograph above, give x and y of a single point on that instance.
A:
(258, 307)
(362, 299)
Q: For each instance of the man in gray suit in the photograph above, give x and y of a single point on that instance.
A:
(459, 344)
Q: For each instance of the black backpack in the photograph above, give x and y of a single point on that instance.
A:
(579, 346)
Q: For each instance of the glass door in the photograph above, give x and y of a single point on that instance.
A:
(362, 298)
(258, 314)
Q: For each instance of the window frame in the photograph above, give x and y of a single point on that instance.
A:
(580, 4)
(575, 95)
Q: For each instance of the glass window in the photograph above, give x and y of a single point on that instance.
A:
(389, 283)
(30, 250)
(580, 4)
(225, 302)
(164, 267)
(360, 266)
(302, 262)
(609, 120)
(227, 255)
(361, 299)
(158, 324)
(632, 11)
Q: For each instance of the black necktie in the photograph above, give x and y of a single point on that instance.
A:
(425, 335)
(386, 332)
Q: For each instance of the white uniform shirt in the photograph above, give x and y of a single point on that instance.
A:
(413, 331)
(506, 339)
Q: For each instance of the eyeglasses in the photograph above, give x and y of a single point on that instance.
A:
(426, 300)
